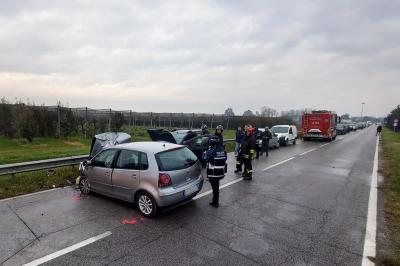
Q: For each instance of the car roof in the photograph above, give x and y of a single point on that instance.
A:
(283, 126)
(148, 146)
(182, 131)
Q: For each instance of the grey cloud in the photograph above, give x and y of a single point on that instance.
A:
(271, 53)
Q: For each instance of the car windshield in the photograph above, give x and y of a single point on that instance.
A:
(280, 129)
(177, 159)
(178, 136)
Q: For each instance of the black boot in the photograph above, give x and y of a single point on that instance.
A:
(214, 204)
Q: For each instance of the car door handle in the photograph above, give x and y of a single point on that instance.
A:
(134, 175)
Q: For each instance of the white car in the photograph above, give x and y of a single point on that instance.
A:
(286, 134)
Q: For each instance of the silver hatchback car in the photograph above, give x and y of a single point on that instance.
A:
(151, 174)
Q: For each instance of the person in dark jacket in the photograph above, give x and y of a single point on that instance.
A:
(248, 147)
(378, 130)
(266, 136)
(258, 136)
(204, 130)
(216, 158)
(238, 139)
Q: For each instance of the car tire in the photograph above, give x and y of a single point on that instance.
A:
(287, 142)
(294, 141)
(84, 185)
(146, 204)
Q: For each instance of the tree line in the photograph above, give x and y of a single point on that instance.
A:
(394, 114)
(27, 120)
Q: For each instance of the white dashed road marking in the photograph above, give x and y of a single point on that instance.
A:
(67, 250)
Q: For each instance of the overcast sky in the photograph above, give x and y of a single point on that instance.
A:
(203, 56)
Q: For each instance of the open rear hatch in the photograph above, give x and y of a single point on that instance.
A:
(161, 135)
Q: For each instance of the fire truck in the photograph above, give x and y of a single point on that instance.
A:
(319, 125)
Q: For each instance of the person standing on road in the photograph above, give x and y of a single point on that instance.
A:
(239, 156)
(378, 130)
(248, 152)
(216, 166)
(258, 136)
(266, 136)
(238, 140)
(204, 130)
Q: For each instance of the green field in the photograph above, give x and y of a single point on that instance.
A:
(391, 172)
(18, 150)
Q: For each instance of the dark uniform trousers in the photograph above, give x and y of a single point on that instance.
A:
(215, 172)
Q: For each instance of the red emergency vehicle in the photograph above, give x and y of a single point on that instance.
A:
(319, 125)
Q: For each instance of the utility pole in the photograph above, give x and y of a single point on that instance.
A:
(362, 110)
(58, 120)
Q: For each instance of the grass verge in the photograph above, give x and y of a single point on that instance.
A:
(30, 182)
(391, 172)
(18, 150)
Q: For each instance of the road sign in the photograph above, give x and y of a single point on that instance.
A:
(396, 120)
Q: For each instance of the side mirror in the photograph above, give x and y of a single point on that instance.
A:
(87, 163)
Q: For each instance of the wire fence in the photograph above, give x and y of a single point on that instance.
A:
(63, 121)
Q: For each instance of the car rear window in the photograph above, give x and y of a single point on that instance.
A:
(280, 129)
(178, 136)
(176, 159)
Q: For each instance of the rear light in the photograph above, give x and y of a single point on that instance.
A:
(164, 180)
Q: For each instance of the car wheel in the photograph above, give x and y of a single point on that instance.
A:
(287, 142)
(146, 204)
(294, 142)
(84, 185)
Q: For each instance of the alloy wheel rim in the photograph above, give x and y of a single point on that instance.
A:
(85, 186)
(145, 204)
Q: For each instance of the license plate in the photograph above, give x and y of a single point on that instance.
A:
(190, 190)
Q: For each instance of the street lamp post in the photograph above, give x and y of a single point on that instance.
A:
(362, 110)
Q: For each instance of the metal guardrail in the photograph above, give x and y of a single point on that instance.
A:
(15, 168)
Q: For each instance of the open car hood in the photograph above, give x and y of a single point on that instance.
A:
(108, 139)
(161, 135)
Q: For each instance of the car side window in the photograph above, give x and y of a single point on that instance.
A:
(104, 159)
(144, 163)
(128, 160)
(290, 131)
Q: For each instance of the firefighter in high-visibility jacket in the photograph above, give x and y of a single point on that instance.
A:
(248, 150)
(216, 158)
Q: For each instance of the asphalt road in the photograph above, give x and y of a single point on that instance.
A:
(307, 205)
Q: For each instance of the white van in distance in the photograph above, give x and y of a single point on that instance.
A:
(286, 134)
